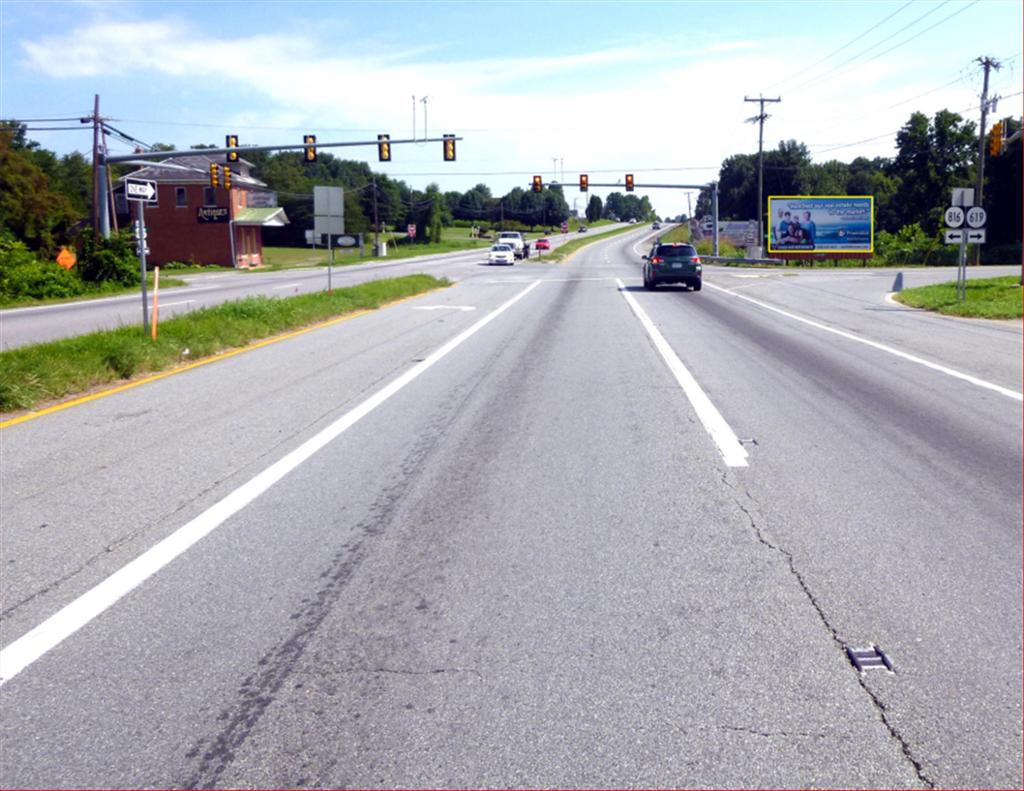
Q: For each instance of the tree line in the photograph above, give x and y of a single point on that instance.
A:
(911, 189)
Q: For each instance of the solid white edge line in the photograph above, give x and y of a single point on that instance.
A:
(974, 380)
(31, 646)
(729, 445)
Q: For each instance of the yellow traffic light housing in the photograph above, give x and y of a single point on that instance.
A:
(584, 182)
(629, 182)
(449, 148)
(538, 184)
(384, 148)
(995, 139)
(226, 173)
(309, 141)
(231, 141)
(214, 175)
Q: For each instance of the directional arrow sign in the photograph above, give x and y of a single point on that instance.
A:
(976, 237)
(954, 236)
(141, 190)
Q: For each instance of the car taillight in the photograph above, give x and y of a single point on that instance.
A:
(657, 260)
(696, 259)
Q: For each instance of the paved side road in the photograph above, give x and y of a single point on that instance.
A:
(528, 562)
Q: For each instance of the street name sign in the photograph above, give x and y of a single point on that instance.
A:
(140, 190)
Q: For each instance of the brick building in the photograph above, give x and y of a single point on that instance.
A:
(196, 223)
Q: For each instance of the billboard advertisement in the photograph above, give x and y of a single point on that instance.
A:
(821, 223)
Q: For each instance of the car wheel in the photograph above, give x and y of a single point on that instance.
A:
(648, 283)
(695, 285)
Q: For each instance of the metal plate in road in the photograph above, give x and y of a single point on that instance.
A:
(140, 189)
(976, 236)
(954, 235)
(954, 216)
(976, 216)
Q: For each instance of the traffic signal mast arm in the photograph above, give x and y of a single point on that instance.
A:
(161, 155)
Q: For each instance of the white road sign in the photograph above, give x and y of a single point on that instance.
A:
(140, 189)
(976, 236)
(954, 235)
(954, 216)
(976, 216)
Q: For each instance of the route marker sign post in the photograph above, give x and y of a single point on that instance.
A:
(329, 219)
(963, 211)
(142, 191)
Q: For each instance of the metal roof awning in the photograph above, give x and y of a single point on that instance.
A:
(273, 217)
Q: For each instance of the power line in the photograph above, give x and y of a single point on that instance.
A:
(847, 44)
(880, 43)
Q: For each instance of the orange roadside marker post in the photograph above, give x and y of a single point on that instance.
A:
(156, 299)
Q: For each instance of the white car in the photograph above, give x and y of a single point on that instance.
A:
(501, 254)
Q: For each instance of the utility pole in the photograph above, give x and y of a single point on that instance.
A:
(414, 116)
(96, 197)
(376, 224)
(988, 64)
(760, 118)
(424, 100)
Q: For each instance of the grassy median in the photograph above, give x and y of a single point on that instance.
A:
(567, 249)
(988, 298)
(31, 375)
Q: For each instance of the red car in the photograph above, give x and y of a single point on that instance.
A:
(543, 244)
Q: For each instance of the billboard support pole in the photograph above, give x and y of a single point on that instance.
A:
(714, 218)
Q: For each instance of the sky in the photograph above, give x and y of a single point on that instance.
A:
(553, 88)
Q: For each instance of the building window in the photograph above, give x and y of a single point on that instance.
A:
(209, 196)
(180, 198)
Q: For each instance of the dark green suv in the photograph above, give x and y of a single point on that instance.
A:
(672, 263)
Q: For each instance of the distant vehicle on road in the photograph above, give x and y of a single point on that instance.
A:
(515, 240)
(542, 244)
(656, 226)
(501, 254)
(672, 263)
(583, 229)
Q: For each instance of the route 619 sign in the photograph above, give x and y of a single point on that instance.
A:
(976, 217)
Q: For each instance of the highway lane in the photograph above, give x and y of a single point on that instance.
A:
(22, 326)
(531, 565)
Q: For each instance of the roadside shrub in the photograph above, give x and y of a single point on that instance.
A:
(110, 260)
(23, 276)
(911, 245)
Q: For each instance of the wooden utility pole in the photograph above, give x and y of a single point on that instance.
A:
(760, 118)
(96, 197)
(988, 64)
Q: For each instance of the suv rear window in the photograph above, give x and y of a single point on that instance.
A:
(674, 251)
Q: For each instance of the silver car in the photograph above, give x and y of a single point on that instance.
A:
(501, 254)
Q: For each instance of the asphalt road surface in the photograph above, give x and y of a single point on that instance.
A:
(22, 326)
(543, 528)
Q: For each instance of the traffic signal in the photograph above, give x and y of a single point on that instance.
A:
(309, 141)
(995, 139)
(629, 182)
(384, 148)
(449, 148)
(214, 175)
(231, 141)
(538, 183)
(584, 182)
(226, 173)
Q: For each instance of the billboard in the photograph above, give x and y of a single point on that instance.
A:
(821, 224)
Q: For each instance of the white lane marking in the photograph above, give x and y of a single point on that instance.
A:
(69, 619)
(444, 307)
(286, 285)
(974, 380)
(172, 304)
(729, 445)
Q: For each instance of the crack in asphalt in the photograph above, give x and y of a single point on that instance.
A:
(802, 582)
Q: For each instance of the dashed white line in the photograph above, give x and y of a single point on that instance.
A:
(65, 622)
(286, 285)
(729, 445)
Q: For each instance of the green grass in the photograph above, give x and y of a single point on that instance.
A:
(678, 233)
(109, 291)
(571, 247)
(32, 375)
(989, 298)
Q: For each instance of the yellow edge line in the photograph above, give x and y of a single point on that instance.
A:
(205, 361)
